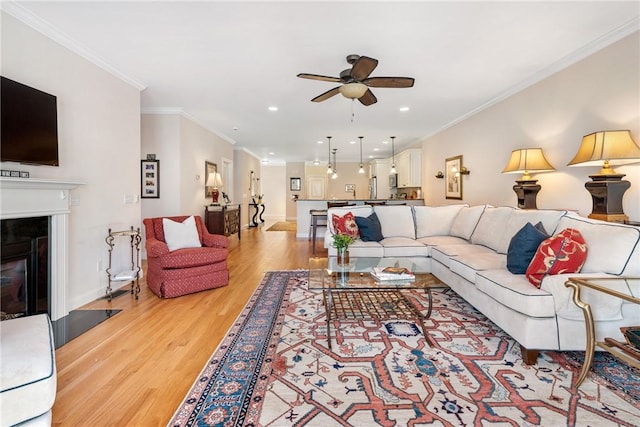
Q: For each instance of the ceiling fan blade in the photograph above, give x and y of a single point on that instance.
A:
(319, 77)
(363, 67)
(389, 82)
(368, 98)
(328, 94)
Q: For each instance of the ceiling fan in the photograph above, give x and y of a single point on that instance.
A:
(356, 81)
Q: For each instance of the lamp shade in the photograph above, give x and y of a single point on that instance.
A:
(525, 160)
(353, 90)
(604, 148)
(214, 180)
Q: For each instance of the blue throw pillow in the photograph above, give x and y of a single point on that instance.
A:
(370, 229)
(523, 246)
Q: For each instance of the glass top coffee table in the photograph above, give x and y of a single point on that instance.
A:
(350, 291)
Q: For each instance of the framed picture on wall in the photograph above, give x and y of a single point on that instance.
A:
(452, 178)
(295, 184)
(150, 179)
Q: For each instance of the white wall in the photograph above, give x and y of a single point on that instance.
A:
(99, 145)
(274, 186)
(198, 145)
(601, 92)
(160, 135)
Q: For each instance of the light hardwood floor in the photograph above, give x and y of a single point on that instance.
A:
(135, 368)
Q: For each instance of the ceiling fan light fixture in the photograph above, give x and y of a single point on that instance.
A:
(353, 90)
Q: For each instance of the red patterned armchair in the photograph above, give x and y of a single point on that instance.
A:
(184, 271)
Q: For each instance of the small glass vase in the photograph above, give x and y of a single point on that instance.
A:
(343, 256)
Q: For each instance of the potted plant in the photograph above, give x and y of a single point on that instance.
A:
(341, 242)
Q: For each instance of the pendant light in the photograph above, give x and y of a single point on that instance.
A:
(335, 165)
(361, 170)
(329, 170)
(393, 156)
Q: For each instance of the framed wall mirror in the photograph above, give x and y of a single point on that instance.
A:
(208, 168)
(453, 179)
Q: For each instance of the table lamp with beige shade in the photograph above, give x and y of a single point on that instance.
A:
(607, 188)
(524, 161)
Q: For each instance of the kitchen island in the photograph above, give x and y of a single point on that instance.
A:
(303, 206)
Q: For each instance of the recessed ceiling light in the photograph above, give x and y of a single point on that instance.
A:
(316, 162)
(273, 108)
(352, 142)
(403, 109)
(376, 149)
(271, 153)
(320, 142)
(385, 142)
(371, 157)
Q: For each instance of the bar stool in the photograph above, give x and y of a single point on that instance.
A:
(316, 215)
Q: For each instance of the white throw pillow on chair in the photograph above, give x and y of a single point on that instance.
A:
(179, 235)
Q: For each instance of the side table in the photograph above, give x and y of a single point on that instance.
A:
(626, 288)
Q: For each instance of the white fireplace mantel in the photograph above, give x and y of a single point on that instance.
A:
(26, 198)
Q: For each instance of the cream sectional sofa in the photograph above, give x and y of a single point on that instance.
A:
(466, 247)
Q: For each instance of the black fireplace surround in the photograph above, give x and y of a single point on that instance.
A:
(24, 264)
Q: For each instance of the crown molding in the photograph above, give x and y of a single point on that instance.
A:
(249, 152)
(25, 16)
(180, 112)
(564, 62)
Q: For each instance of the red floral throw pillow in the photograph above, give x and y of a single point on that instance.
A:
(565, 252)
(345, 224)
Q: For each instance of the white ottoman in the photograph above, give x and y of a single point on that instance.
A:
(27, 371)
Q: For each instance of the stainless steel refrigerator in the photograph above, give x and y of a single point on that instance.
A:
(373, 188)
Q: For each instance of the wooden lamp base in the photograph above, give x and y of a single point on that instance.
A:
(606, 193)
(527, 192)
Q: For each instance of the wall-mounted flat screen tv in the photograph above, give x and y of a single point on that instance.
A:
(28, 124)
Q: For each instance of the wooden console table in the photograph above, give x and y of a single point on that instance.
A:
(223, 220)
(626, 288)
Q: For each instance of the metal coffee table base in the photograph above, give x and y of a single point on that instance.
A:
(383, 305)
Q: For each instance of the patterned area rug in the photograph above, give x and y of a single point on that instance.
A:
(283, 226)
(274, 369)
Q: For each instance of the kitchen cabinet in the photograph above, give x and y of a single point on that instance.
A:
(409, 167)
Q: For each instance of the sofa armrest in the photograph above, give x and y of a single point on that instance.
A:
(214, 240)
(156, 248)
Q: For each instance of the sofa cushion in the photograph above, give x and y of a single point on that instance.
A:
(603, 307)
(396, 221)
(468, 264)
(519, 217)
(403, 247)
(523, 247)
(491, 227)
(179, 235)
(516, 292)
(435, 220)
(193, 257)
(369, 227)
(466, 221)
(27, 369)
(443, 253)
(361, 210)
(345, 224)
(363, 249)
(565, 252)
(604, 256)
